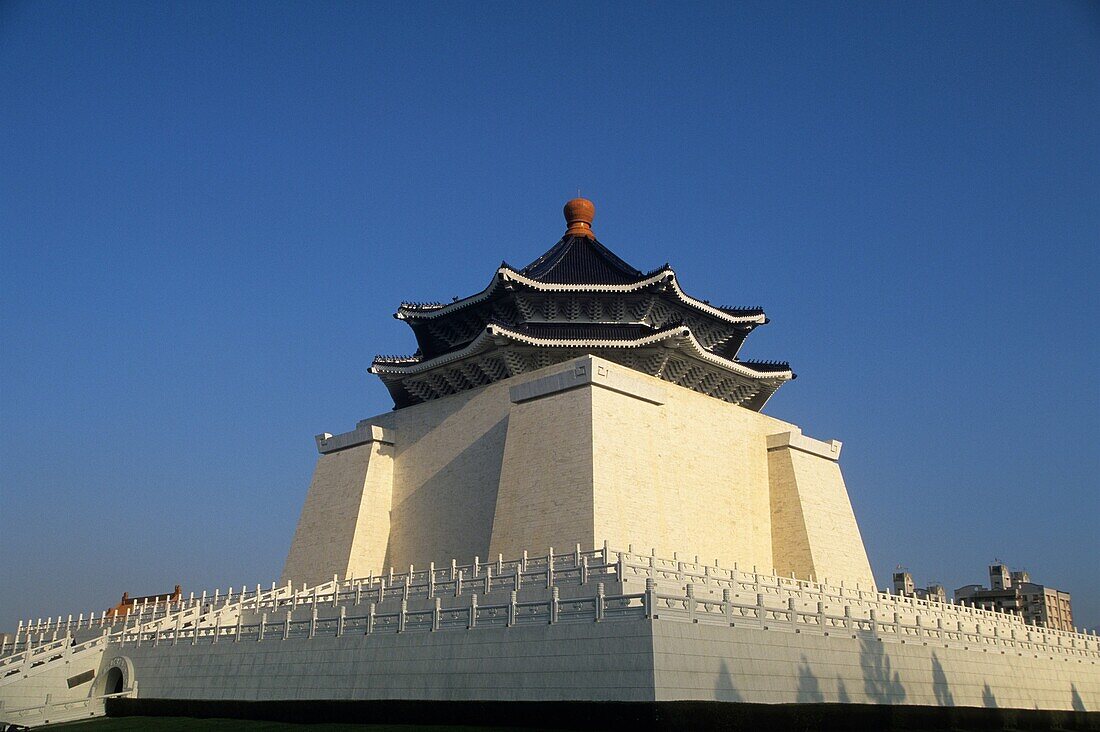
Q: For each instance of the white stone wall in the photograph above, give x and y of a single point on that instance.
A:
(623, 660)
(579, 452)
(590, 625)
(814, 530)
(689, 475)
(589, 661)
(545, 498)
(711, 663)
(44, 690)
(344, 526)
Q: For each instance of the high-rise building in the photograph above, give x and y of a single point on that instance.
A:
(1015, 593)
(904, 586)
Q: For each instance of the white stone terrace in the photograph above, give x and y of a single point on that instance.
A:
(600, 585)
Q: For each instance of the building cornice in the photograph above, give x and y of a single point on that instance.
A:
(507, 275)
(677, 336)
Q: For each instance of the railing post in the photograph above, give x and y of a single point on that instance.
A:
(458, 584)
(519, 578)
(848, 617)
(821, 615)
(554, 605)
(473, 612)
(512, 599)
(237, 636)
(690, 602)
(523, 562)
(370, 619)
(477, 566)
(313, 622)
(358, 593)
(431, 580)
(584, 570)
(340, 620)
(217, 629)
(873, 614)
(727, 605)
(402, 615)
(577, 556)
(650, 599)
(437, 611)
(453, 569)
(488, 578)
(550, 568)
(286, 625)
(897, 625)
(263, 627)
(606, 552)
(793, 612)
(601, 598)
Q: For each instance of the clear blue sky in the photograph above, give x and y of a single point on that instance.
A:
(208, 213)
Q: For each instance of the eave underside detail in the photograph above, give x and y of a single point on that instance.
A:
(672, 356)
(654, 309)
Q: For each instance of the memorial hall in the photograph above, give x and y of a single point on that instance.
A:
(576, 515)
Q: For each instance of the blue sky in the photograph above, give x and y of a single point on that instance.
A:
(208, 213)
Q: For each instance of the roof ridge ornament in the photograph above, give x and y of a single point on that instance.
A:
(579, 213)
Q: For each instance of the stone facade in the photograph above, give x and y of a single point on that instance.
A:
(583, 626)
(345, 520)
(577, 453)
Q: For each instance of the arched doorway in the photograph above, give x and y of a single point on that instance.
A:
(114, 681)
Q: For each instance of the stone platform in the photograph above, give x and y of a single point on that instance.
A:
(592, 627)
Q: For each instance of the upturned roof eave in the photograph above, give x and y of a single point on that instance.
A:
(506, 273)
(682, 334)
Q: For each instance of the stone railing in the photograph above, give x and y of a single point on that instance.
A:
(764, 614)
(478, 576)
(35, 656)
(282, 626)
(751, 599)
(50, 633)
(868, 606)
(761, 612)
(56, 712)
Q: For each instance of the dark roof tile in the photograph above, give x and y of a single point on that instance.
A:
(581, 260)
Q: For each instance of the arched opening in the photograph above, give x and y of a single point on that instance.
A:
(114, 681)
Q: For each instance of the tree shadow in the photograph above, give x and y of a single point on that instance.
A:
(988, 698)
(880, 682)
(1078, 702)
(940, 687)
(724, 690)
(809, 690)
(842, 692)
